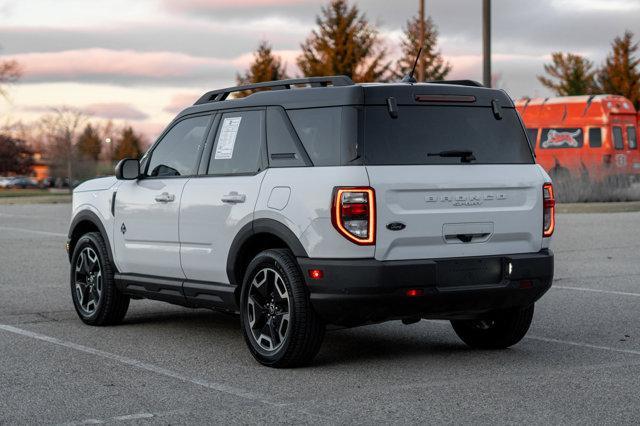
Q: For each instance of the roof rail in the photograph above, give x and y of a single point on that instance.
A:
(222, 94)
(457, 82)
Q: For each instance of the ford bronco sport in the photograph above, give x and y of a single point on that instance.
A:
(319, 202)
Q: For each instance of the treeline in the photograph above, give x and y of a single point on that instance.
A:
(571, 74)
(344, 42)
(74, 147)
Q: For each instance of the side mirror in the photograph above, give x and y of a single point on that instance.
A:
(128, 169)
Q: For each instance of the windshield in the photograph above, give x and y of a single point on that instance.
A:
(444, 135)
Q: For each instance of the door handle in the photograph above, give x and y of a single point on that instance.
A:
(233, 198)
(165, 197)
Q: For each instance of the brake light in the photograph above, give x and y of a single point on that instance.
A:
(354, 214)
(549, 210)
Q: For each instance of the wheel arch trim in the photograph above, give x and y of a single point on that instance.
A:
(261, 226)
(89, 216)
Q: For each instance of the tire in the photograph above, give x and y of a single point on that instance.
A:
(93, 291)
(279, 324)
(502, 330)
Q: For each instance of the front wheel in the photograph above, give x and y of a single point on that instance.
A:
(93, 290)
(279, 324)
(499, 331)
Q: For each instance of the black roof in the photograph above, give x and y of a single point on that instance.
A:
(341, 90)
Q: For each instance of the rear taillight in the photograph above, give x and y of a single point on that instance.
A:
(606, 160)
(549, 210)
(354, 214)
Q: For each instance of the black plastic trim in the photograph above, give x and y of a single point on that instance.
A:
(189, 293)
(261, 226)
(89, 216)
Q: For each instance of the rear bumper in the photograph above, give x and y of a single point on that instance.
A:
(359, 291)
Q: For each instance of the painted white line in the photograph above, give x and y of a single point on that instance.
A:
(128, 417)
(593, 290)
(33, 231)
(584, 345)
(219, 387)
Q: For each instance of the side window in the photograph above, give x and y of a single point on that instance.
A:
(177, 153)
(617, 138)
(319, 130)
(532, 134)
(595, 137)
(282, 141)
(238, 142)
(632, 137)
(561, 138)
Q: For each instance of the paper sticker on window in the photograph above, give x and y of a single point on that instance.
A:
(227, 138)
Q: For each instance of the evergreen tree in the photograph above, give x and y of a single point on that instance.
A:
(570, 75)
(89, 144)
(265, 67)
(435, 67)
(345, 43)
(620, 74)
(129, 145)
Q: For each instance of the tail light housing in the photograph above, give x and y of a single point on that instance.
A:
(607, 160)
(354, 214)
(549, 210)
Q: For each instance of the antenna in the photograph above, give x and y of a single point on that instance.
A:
(409, 77)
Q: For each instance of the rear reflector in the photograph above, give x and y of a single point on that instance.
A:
(415, 292)
(548, 210)
(316, 274)
(354, 214)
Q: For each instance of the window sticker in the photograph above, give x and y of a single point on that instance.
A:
(561, 138)
(227, 138)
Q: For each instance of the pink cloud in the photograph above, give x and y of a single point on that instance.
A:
(195, 5)
(180, 101)
(105, 62)
(115, 110)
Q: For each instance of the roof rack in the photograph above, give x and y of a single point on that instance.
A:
(222, 94)
(457, 82)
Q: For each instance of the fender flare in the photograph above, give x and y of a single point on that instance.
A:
(89, 216)
(261, 226)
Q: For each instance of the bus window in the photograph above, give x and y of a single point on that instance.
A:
(595, 137)
(532, 134)
(561, 138)
(632, 137)
(617, 138)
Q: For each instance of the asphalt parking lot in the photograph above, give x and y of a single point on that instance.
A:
(580, 362)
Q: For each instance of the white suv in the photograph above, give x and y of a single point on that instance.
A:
(316, 202)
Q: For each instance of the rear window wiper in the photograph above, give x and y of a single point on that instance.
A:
(466, 156)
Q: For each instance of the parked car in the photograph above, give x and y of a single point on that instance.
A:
(584, 138)
(20, 182)
(333, 204)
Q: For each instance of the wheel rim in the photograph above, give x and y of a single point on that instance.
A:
(268, 310)
(88, 281)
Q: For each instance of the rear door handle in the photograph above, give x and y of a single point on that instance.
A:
(233, 198)
(165, 197)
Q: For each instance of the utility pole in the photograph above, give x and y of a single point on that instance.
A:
(422, 29)
(486, 42)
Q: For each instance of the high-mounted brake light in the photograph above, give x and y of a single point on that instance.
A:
(354, 214)
(549, 210)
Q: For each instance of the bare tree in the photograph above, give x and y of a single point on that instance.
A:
(62, 128)
(10, 72)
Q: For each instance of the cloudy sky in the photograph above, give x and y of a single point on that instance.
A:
(140, 61)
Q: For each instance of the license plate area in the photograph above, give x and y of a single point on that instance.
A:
(470, 272)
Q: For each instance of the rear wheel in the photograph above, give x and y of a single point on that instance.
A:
(279, 325)
(95, 296)
(499, 331)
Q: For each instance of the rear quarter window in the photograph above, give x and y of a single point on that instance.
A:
(562, 138)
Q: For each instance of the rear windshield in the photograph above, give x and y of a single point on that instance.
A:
(433, 135)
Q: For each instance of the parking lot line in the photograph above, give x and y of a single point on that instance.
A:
(33, 231)
(618, 293)
(583, 345)
(219, 387)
